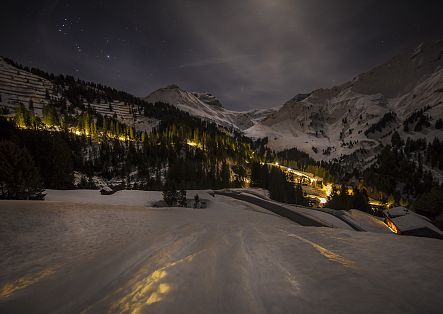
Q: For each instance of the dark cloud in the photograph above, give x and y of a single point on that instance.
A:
(250, 53)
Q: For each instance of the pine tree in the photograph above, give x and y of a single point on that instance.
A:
(182, 201)
(196, 201)
(299, 198)
(31, 105)
(340, 200)
(225, 175)
(361, 201)
(430, 204)
(87, 123)
(54, 159)
(170, 194)
(19, 178)
(21, 116)
(50, 115)
(396, 140)
(105, 126)
(277, 185)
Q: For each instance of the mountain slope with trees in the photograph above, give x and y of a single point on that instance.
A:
(78, 134)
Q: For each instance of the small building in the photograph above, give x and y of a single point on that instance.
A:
(406, 222)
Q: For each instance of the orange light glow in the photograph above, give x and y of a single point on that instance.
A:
(392, 226)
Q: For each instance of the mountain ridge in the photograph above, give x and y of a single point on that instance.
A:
(327, 123)
(335, 121)
(207, 106)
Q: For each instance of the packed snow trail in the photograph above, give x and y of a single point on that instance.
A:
(278, 209)
(235, 257)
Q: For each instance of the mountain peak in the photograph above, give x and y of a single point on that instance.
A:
(339, 121)
(208, 98)
(299, 97)
(172, 86)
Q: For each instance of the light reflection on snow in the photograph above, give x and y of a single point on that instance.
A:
(10, 288)
(326, 253)
(149, 290)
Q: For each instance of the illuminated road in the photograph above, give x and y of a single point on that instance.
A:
(232, 257)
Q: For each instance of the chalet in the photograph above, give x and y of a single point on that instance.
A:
(405, 222)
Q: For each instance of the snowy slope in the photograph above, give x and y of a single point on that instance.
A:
(208, 107)
(20, 86)
(326, 123)
(62, 256)
(333, 121)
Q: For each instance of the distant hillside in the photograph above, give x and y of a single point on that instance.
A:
(84, 134)
(208, 107)
(382, 130)
(17, 85)
(21, 85)
(404, 94)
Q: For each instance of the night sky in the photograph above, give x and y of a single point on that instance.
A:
(249, 53)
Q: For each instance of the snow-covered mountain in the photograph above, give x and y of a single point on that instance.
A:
(18, 86)
(364, 112)
(208, 107)
(403, 94)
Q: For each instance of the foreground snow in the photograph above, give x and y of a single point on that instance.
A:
(124, 197)
(82, 252)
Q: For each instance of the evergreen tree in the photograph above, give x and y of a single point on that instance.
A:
(182, 201)
(396, 140)
(340, 199)
(19, 178)
(298, 196)
(255, 175)
(21, 116)
(53, 157)
(225, 175)
(430, 204)
(361, 201)
(50, 115)
(196, 201)
(170, 194)
(31, 105)
(277, 185)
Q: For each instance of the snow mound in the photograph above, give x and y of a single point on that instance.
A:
(366, 222)
(123, 197)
